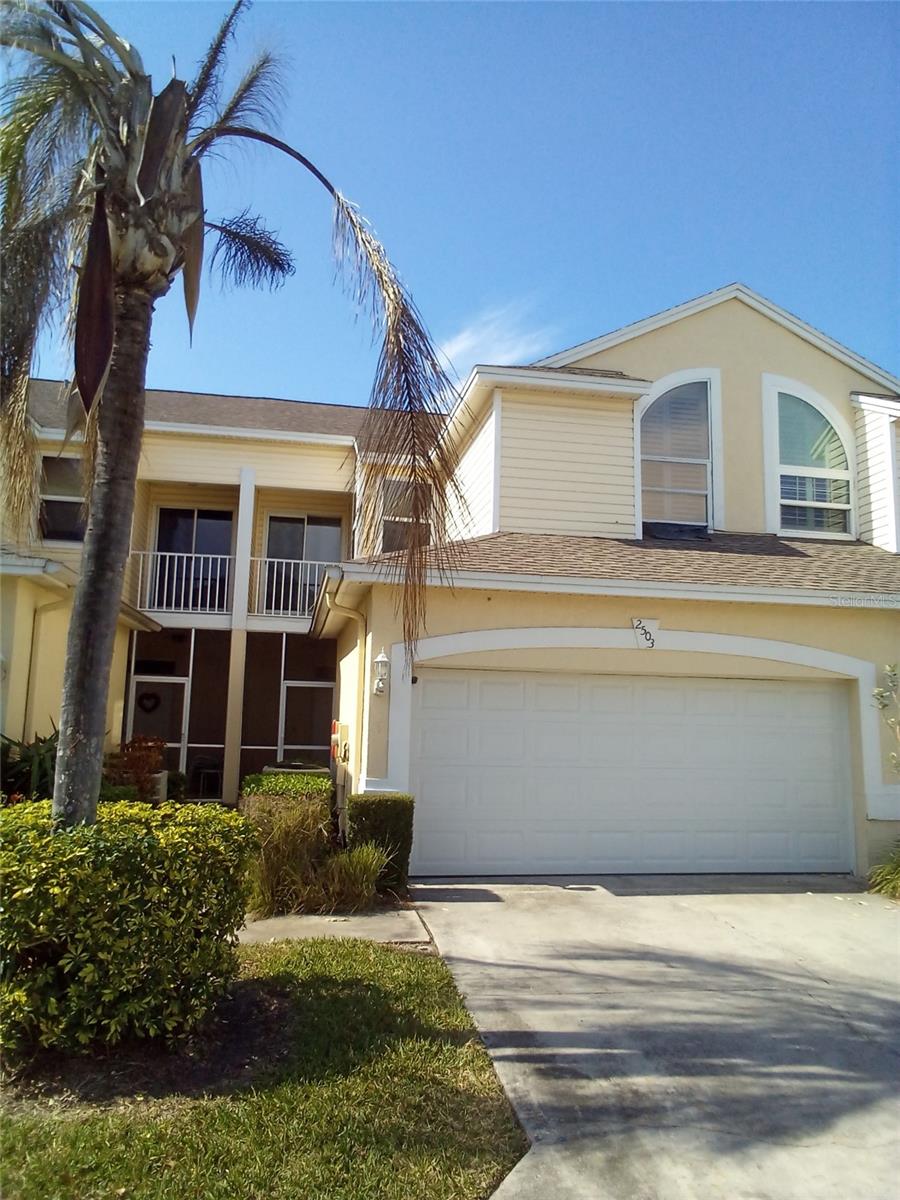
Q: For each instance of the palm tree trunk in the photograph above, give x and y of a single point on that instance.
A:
(95, 612)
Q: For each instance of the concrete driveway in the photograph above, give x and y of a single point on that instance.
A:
(686, 1038)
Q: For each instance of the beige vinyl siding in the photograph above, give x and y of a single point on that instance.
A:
(877, 482)
(140, 538)
(288, 502)
(567, 465)
(476, 482)
(219, 460)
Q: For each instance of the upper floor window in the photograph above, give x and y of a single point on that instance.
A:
(401, 516)
(62, 500)
(813, 470)
(676, 478)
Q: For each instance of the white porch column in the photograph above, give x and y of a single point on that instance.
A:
(243, 549)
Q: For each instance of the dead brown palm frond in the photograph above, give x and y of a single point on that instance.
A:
(409, 405)
(403, 435)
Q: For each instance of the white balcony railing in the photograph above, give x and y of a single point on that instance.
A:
(188, 583)
(285, 587)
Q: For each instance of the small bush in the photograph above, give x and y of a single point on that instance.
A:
(885, 878)
(293, 833)
(121, 928)
(349, 878)
(297, 784)
(29, 768)
(386, 819)
(138, 763)
(176, 785)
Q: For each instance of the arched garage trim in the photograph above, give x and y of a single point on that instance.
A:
(882, 800)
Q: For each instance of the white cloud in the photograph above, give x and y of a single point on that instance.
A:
(502, 335)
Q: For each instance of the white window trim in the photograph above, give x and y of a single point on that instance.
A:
(771, 386)
(712, 377)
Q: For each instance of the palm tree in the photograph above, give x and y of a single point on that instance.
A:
(102, 207)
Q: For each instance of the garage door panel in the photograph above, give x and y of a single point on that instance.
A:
(517, 773)
(612, 699)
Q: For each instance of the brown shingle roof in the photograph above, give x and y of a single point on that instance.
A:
(729, 559)
(47, 406)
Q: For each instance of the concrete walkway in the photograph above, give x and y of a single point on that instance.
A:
(686, 1038)
(400, 925)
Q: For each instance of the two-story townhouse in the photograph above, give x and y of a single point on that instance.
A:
(241, 503)
(678, 582)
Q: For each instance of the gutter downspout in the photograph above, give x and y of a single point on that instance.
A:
(354, 615)
(28, 718)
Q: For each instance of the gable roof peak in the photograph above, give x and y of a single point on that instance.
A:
(731, 291)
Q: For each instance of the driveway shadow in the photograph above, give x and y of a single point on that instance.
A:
(624, 1041)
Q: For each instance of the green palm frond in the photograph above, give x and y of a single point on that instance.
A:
(258, 98)
(248, 254)
(47, 126)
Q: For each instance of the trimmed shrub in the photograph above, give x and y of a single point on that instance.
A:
(885, 878)
(121, 928)
(296, 784)
(385, 818)
(349, 878)
(294, 835)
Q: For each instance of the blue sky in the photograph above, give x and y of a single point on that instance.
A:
(543, 173)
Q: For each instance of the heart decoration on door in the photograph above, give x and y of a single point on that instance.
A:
(149, 702)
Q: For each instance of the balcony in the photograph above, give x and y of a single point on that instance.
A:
(165, 582)
(285, 587)
(169, 582)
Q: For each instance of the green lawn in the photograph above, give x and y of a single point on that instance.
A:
(342, 1070)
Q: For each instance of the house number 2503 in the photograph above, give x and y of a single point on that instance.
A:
(644, 632)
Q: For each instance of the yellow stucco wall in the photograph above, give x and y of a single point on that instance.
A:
(870, 635)
(743, 344)
(35, 624)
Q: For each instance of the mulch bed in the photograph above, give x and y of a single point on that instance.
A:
(246, 1038)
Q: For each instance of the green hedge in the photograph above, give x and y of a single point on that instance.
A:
(385, 818)
(295, 784)
(122, 928)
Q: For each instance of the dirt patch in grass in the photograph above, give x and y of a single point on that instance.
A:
(246, 1039)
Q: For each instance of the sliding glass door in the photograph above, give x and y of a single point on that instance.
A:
(297, 550)
(193, 561)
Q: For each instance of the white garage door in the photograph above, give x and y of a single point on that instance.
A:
(558, 774)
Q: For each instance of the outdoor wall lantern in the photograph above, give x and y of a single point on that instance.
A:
(382, 665)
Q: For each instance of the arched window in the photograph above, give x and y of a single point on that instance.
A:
(813, 469)
(675, 457)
